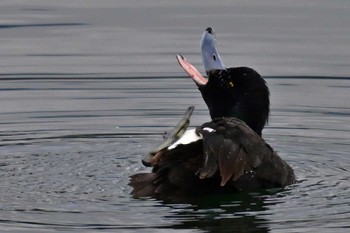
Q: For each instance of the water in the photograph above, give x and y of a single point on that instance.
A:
(88, 88)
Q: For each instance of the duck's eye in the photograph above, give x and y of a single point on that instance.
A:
(214, 57)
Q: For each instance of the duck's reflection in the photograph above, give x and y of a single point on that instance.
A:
(233, 213)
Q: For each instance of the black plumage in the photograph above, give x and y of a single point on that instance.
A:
(238, 92)
(229, 154)
(231, 157)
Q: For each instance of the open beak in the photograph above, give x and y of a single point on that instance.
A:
(210, 56)
(191, 71)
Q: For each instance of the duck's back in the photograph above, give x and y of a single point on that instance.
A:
(229, 158)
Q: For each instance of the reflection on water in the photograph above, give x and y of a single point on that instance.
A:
(234, 213)
(69, 145)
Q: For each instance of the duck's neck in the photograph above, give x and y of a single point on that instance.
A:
(255, 120)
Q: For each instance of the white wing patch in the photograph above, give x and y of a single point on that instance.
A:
(210, 130)
(188, 137)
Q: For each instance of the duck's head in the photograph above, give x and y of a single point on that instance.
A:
(229, 92)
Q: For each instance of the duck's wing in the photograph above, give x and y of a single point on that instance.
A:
(241, 157)
(178, 132)
(175, 162)
(230, 157)
(173, 174)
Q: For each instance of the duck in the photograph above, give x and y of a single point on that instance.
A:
(225, 155)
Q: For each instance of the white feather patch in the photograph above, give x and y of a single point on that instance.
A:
(210, 130)
(188, 137)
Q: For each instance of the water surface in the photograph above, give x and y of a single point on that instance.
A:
(68, 147)
(88, 87)
(133, 38)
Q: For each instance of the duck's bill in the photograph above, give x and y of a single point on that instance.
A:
(191, 71)
(210, 55)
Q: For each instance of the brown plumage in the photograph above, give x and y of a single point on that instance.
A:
(231, 158)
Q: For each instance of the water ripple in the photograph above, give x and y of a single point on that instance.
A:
(66, 159)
